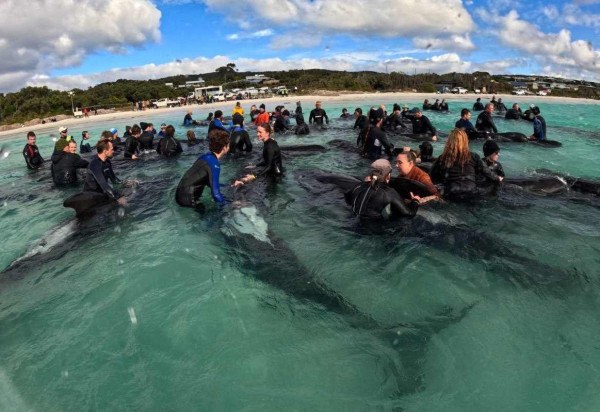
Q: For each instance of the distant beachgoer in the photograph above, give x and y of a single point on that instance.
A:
(31, 153)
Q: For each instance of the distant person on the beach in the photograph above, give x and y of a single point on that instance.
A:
(318, 115)
(84, 146)
(31, 153)
(478, 106)
(513, 113)
(485, 122)
(65, 164)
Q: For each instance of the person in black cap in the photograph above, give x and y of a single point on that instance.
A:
(491, 152)
(422, 125)
(478, 106)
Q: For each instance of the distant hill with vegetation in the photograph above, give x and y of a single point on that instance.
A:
(42, 102)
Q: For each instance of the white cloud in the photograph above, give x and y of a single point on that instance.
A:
(453, 42)
(254, 35)
(43, 35)
(398, 18)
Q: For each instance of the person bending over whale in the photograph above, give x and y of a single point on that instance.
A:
(458, 170)
(204, 172)
(422, 125)
(65, 164)
(100, 171)
(239, 140)
(407, 169)
(376, 139)
(375, 199)
(168, 146)
(485, 123)
(31, 153)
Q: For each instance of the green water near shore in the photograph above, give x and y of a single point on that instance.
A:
(152, 311)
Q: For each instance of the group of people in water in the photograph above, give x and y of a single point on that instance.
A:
(457, 174)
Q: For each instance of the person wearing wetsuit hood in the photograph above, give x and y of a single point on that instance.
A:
(457, 171)
(31, 153)
(84, 146)
(422, 125)
(376, 139)
(65, 164)
(374, 199)
(301, 126)
(465, 123)
(478, 106)
(484, 122)
(491, 153)
(239, 140)
(318, 115)
(362, 123)
(168, 146)
(100, 171)
(204, 172)
(147, 137)
(514, 113)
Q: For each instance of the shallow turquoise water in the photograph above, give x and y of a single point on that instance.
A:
(154, 310)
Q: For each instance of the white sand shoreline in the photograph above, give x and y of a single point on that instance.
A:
(307, 103)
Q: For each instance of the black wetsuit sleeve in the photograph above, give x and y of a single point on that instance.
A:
(400, 209)
(26, 155)
(247, 142)
(436, 172)
(357, 122)
(326, 117)
(81, 163)
(96, 169)
(482, 169)
(111, 174)
(500, 170)
(311, 116)
(429, 127)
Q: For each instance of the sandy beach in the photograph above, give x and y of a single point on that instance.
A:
(289, 101)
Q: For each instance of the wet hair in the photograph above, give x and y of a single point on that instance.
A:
(464, 112)
(267, 127)
(217, 140)
(456, 151)
(190, 135)
(358, 110)
(489, 104)
(218, 113)
(84, 133)
(515, 105)
(170, 131)
(237, 119)
(106, 135)
(210, 116)
(426, 149)
(29, 134)
(102, 145)
(136, 129)
(286, 112)
(344, 110)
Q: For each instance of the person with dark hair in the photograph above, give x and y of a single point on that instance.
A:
(65, 164)
(465, 123)
(209, 117)
(345, 114)
(491, 153)
(301, 126)
(262, 116)
(163, 130)
(362, 123)
(253, 113)
(127, 132)
(443, 105)
(426, 153)
(426, 105)
(318, 115)
(191, 138)
(85, 147)
(239, 139)
(31, 153)
(376, 139)
(478, 106)
(484, 122)
(217, 122)
(513, 113)
(422, 125)
(132, 144)
(147, 136)
(539, 126)
(458, 170)
(168, 146)
(374, 199)
(281, 121)
(238, 109)
(100, 171)
(204, 172)
(407, 169)
(271, 165)
(298, 108)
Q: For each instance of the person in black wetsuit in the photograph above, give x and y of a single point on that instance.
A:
(500, 106)
(394, 120)
(514, 113)
(239, 140)
(100, 171)
(426, 105)
(147, 137)
(65, 164)
(345, 114)
(31, 153)
(376, 139)
(84, 146)
(422, 125)
(168, 146)
(484, 122)
(301, 126)
(465, 123)
(317, 115)
(280, 117)
(375, 199)
(204, 172)
(132, 144)
(457, 171)
(491, 153)
(362, 123)
(478, 106)
(444, 105)
(271, 165)
(426, 153)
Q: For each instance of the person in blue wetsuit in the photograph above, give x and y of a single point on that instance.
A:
(187, 120)
(465, 123)
(217, 122)
(539, 126)
(204, 172)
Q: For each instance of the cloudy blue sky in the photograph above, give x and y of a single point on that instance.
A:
(79, 43)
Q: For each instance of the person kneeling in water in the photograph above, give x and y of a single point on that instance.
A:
(407, 169)
(168, 146)
(100, 171)
(65, 164)
(204, 172)
(31, 153)
(375, 199)
(491, 152)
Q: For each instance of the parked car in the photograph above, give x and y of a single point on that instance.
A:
(542, 93)
(166, 102)
(459, 90)
(218, 97)
(519, 92)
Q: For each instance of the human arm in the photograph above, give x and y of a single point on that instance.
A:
(215, 187)
(326, 117)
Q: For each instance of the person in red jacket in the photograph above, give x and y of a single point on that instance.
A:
(263, 116)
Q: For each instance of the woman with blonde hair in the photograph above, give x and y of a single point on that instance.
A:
(458, 171)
